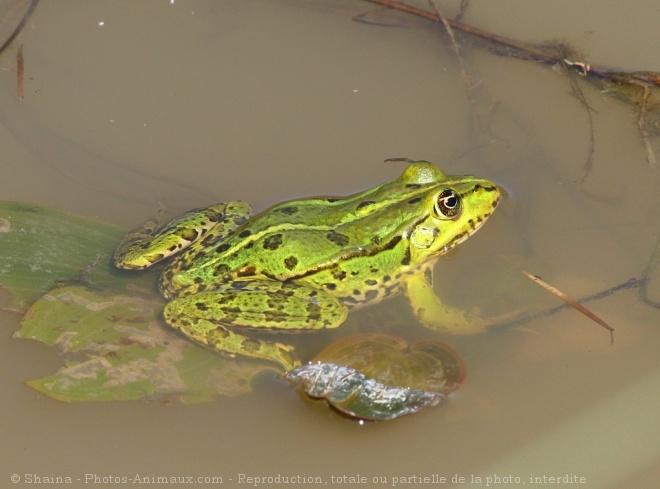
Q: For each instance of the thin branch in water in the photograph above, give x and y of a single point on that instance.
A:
(20, 67)
(630, 284)
(641, 125)
(648, 275)
(571, 302)
(514, 48)
(589, 163)
(462, 9)
(470, 86)
(19, 27)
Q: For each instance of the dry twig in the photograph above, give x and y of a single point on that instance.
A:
(571, 302)
(20, 67)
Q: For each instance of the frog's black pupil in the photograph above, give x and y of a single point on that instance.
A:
(449, 204)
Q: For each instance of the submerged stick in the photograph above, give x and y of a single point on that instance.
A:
(520, 50)
(20, 67)
(19, 27)
(571, 302)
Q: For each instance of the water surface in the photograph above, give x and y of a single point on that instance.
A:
(129, 104)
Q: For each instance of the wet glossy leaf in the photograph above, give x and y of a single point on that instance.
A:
(115, 348)
(381, 377)
(41, 248)
(357, 395)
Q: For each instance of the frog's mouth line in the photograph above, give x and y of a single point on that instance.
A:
(474, 227)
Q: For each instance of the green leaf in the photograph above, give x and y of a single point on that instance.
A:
(41, 248)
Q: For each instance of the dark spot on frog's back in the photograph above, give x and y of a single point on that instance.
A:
(275, 304)
(415, 200)
(370, 295)
(365, 203)
(222, 248)
(272, 242)
(288, 210)
(245, 233)
(189, 234)
(313, 311)
(338, 274)
(174, 247)
(290, 262)
(338, 238)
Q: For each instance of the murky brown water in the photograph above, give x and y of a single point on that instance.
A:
(130, 104)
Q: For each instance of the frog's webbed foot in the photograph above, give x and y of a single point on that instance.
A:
(155, 240)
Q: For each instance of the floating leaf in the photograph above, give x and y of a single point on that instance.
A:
(360, 375)
(426, 365)
(115, 348)
(41, 248)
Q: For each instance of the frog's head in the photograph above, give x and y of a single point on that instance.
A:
(456, 206)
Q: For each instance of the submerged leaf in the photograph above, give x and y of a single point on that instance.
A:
(357, 395)
(115, 348)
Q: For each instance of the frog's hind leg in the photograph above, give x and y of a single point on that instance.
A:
(221, 339)
(257, 304)
(155, 240)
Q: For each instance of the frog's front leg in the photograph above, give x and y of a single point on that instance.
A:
(257, 304)
(155, 240)
(433, 313)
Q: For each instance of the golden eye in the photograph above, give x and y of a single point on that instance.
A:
(448, 205)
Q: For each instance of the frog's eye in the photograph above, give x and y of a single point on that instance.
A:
(448, 205)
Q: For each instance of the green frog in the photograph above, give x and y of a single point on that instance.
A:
(304, 263)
